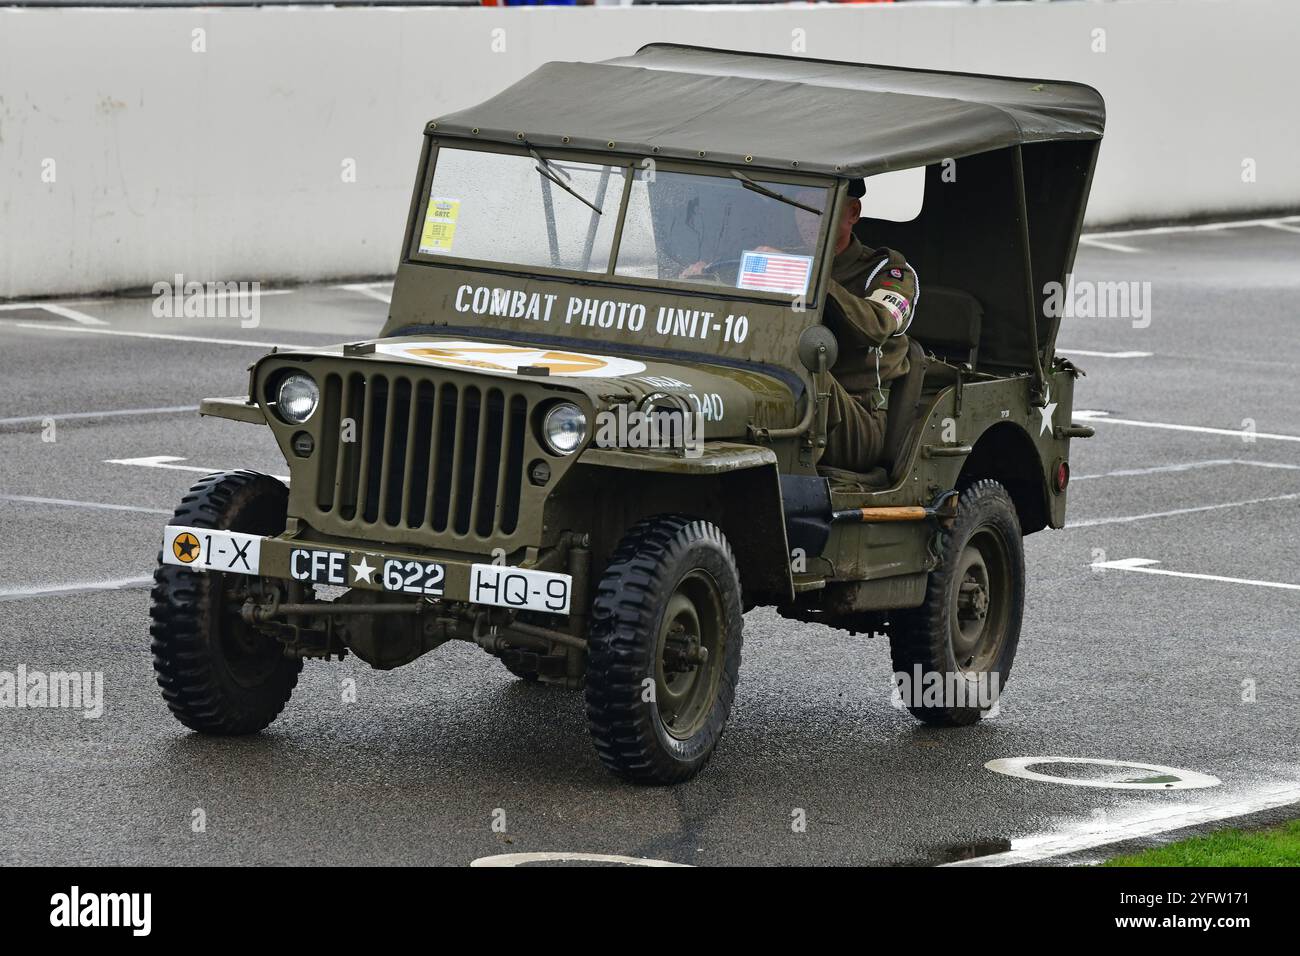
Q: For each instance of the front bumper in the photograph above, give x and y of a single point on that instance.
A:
(442, 578)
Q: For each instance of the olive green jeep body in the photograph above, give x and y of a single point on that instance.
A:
(427, 459)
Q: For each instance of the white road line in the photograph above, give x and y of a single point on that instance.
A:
(1185, 466)
(160, 461)
(168, 462)
(158, 335)
(46, 590)
(1112, 246)
(1266, 464)
(1140, 826)
(69, 503)
(1199, 227)
(1155, 469)
(241, 293)
(1126, 519)
(1283, 226)
(1087, 415)
(1123, 355)
(110, 413)
(368, 289)
(521, 859)
(60, 310)
(1144, 566)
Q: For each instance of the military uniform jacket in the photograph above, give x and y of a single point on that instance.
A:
(873, 293)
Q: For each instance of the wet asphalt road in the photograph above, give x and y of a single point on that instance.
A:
(1116, 664)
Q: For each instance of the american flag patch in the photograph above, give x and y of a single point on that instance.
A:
(774, 272)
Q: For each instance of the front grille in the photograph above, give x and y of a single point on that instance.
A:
(410, 453)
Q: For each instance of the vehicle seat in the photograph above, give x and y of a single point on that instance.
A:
(900, 422)
(904, 402)
(947, 322)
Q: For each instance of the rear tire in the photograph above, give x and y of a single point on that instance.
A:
(217, 674)
(969, 624)
(666, 619)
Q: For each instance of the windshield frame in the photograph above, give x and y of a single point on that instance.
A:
(633, 165)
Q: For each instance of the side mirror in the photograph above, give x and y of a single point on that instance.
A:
(818, 348)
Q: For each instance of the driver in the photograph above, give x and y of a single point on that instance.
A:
(872, 295)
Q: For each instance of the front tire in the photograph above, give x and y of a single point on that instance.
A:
(968, 629)
(664, 650)
(218, 675)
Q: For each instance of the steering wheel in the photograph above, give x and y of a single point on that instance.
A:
(717, 266)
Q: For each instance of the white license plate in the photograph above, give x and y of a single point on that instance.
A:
(207, 550)
(520, 589)
(343, 569)
(204, 549)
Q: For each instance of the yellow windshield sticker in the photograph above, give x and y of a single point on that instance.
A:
(439, 224)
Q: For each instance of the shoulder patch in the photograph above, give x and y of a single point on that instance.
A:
(896, 273)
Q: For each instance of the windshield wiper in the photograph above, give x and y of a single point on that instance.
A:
(554, 174)
(772, 193)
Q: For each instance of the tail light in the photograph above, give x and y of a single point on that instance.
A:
(1061, 477)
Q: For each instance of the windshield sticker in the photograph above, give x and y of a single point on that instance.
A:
(774, 272)
(498, 359)
(439, 224)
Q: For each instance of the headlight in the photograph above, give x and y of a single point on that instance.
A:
(297, 398)
(564, 428)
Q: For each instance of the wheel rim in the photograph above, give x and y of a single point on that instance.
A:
(250, 656)
(981, 602)
(688, 655)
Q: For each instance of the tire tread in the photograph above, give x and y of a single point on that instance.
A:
(180, 603)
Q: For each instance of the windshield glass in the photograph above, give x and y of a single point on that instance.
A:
(521, 209)
(713, 230)
(500, 208)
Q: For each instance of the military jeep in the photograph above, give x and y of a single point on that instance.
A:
(603, 241)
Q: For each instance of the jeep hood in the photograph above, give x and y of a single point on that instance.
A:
(728, 396)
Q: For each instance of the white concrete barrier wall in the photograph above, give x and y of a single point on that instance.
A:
(228, 164)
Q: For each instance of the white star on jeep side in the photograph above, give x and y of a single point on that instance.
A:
(1047, 411)
(363, 571)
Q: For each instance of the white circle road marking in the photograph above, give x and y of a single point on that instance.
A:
(519, 859)
(1184, 779)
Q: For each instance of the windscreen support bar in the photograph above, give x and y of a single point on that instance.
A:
(1037, 384)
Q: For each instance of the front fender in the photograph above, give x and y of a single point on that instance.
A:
(735, 486)
(715, 458)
